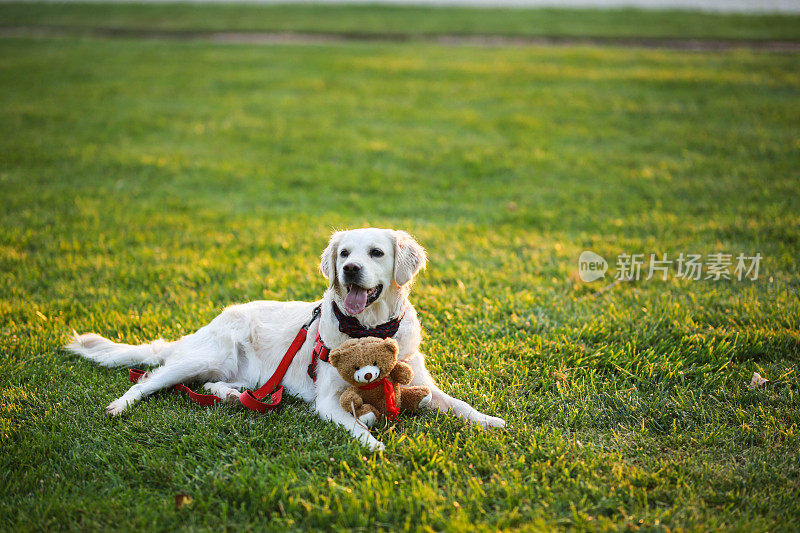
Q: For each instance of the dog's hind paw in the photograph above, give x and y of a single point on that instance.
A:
(233, 397)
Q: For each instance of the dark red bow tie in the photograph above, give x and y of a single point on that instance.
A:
(350, 326)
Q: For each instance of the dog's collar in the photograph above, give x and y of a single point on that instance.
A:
(350, 326)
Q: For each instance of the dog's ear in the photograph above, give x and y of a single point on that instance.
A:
(409, 257)
(327, 264)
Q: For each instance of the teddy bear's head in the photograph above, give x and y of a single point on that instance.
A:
(362, 361)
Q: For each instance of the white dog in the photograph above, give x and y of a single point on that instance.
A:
(370, 273)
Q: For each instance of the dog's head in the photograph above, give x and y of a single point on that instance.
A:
(364, 265)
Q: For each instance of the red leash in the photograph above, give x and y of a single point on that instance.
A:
(253, 400)
(134, 374)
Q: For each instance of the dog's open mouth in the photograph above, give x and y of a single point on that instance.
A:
(358, 298)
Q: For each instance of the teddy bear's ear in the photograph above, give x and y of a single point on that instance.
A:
(390, 348)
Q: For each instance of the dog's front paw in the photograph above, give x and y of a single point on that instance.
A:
(488, 422)
(368, 419)
(371, 442)
(116, 407)
(493, 422)
(423, 403)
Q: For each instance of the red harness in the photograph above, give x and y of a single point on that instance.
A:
(320, 352)
(253, 400)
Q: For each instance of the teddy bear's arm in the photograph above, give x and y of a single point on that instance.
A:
(402, 373)
(350, 400)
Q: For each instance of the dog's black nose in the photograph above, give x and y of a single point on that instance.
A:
(368, 376)
(351, 268)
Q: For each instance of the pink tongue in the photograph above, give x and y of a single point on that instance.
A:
(356, 300)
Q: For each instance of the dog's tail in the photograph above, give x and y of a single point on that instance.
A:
(109, 353)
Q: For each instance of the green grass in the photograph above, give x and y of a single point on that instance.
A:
(405, 20)
(144, 186)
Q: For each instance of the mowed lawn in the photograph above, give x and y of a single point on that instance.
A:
(146, 185)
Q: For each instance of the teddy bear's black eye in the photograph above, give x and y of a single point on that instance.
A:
(375, 363)
(356, 368)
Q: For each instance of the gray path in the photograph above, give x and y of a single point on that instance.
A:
(299, 38)
(729, 6)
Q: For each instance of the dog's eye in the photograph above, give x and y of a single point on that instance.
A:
(344, 253)
(375, 252)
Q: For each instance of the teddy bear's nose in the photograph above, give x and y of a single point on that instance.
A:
(368, 376)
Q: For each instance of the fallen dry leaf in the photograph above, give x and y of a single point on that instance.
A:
(757, 380)
(182, 500)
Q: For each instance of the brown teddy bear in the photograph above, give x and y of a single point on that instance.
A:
(377, 380)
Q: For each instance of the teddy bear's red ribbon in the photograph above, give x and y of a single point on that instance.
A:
(388, 393)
